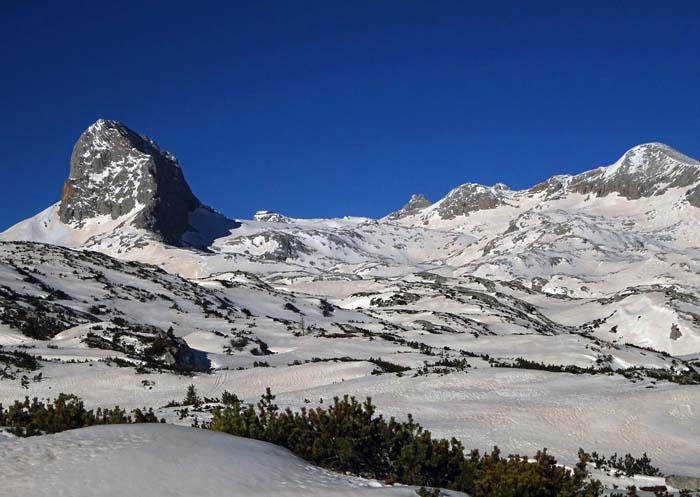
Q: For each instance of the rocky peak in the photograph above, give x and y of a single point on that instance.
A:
(468, 198)
(656, 150)
(650, 160)
(115, 172)
(270, 217)
(643, 171)
(414, 204)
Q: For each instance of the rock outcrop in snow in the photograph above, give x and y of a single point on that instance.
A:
(114, 170)
(647, 170)
(414, 204)
(469, 198)
(643, 171)
(117, 172)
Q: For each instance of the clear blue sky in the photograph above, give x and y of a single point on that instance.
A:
(344, 107)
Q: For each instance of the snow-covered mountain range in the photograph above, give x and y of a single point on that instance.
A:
(596, 274)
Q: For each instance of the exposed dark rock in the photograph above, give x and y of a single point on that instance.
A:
(415, 204)
(693, 196)
(151, 345)
(288, 246)
(643, 171)
(114, 171)
(37, 317)
(538, 283)
(270, 217)
(396, 299)
(675, 332)
(469, 198)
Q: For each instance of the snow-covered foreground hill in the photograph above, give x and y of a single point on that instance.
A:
(562, 316)
(101, 318)
(167, 461)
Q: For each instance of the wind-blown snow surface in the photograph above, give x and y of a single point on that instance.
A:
(598, 271)
(85, 292)
(168, 461)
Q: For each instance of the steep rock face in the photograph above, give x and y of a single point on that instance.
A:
(114, 171)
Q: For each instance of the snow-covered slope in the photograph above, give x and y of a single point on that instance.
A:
(634, 222)
(164, 461)
(598, 271)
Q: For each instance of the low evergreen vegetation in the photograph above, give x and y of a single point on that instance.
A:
(386, 366)
(658, 492)
(34, 417)
(14, 362)
(443, 366)
(18, 359)
(327, 308)
(627, 465)
(685, 376)
(348, 436)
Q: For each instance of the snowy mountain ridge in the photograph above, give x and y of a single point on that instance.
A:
(633, 224)
(591, 279)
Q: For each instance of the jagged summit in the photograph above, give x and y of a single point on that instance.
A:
(645, 170)
(115, 171)
(124, 191)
